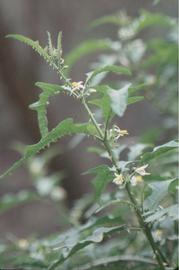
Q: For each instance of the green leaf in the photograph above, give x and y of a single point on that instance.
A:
(108, 68)
(174, 185)
(104, 101)
(102, 178)
(41, 105)
(85, 48)
(159, 150)
(74, 244)
(135, 88)
(59, 43)
(132, 100)
(110, 19)
(66, 127)
(171, 211)
(148, 19)
(119, 100)
(33, 44)
(159, 191)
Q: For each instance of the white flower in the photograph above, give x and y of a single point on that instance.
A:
(76, 88)
(118, 132)
(157, 234)
(141, 170)
(136, 179)
(119, 179)
(23, 243)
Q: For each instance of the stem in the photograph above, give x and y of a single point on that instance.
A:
(93, 119)
(158, 254)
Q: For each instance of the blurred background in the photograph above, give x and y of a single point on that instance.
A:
(20, 68)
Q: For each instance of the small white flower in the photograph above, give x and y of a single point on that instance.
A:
(23, 243)
(116, 132)
(119, 179)
(77, 85)
(157, 234)
(76, 88)
(141, 170)
(136, 179)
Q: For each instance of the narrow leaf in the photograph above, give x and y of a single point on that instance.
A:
(41, 105)
(110, 19)
(33, 44)
(132, 100)
(66, 127)
(85, 48)
(108, 68)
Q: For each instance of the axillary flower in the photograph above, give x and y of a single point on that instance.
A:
(119, 179)
(141, 170)
(23, 243)
(76, 88)
(116, 132)
(136, 179)
(120, 132)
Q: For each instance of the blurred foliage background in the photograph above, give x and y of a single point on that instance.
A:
(20, 68)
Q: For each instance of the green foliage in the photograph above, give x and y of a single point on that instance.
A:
(73, 243)
(85, 48)
(33, 44)
(160, 150)
(119, 100)
(41, 105)
(103, 177)
(66, 127)
(109, 68)
(138, 214)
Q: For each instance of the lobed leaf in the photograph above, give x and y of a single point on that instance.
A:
(33, 44)
(66, 127)
(41, 105)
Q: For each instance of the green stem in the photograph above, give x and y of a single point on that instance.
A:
(158, 254)
(93, 119)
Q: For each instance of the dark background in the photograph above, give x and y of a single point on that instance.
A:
(20, 68)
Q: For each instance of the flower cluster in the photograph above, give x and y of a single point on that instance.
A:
(77, 88)
(135, 179)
